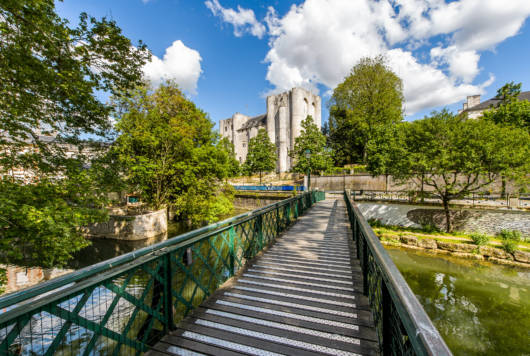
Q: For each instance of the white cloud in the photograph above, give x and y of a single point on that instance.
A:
(319, 41)
(243, 20)
(180, 63)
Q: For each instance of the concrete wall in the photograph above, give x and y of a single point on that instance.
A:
(382, 184)
(131, 227)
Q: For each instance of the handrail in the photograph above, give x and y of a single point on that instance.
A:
(132, 300)
(27, 293)
(401, 322)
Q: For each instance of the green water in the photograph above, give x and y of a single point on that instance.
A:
(479, 308)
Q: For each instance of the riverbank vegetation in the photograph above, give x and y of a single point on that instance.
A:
(507, 240)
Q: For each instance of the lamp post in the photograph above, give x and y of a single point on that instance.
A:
(308, 156)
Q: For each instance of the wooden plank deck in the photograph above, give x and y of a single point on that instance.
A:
(303, 296)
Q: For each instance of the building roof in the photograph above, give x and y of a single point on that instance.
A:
(496, 101)
(256, 121)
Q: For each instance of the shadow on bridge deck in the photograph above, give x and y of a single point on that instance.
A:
(302, 296)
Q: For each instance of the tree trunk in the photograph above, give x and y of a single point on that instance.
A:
(503, 187)
(259, 177)
(445, 202)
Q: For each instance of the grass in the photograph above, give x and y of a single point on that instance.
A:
(507, 240)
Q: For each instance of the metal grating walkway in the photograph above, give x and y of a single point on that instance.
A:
(303, 296)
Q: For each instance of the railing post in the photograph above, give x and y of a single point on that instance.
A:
(364, 266)
(387, 326)
(277, 222)
(259, 223)
(288, 214)
(168, 303)
(231, 238)
(296, 204)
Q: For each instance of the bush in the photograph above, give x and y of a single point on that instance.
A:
(375, 222)
(429, 228)
(480, 239)
(510, 235)
(509, 246)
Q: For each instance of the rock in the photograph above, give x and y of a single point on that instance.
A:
(522, 256)
(471, 256)
(455, 247)
(494, 252)
(427, 243)
(409, 240)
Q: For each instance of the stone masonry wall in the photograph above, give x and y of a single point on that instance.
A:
(468, 220)
(135, 227)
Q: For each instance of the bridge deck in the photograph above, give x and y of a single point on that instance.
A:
(303, 296)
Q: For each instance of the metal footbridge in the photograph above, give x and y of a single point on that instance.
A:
(304, 276)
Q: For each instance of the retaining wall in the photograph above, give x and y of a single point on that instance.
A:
(130, 227)
(488, 222)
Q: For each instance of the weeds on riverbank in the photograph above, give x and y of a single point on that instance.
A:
(512, 239)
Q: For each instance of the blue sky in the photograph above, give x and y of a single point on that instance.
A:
(228, 55)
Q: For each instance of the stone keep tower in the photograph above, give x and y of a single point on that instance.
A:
(285, 113)
(283, 122)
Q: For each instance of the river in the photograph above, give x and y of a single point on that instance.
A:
(479, 308)
(102, 249)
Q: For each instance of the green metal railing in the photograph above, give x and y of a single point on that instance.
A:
(403, 327)
(126, 304)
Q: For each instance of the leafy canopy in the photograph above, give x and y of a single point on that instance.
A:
(50, 73)
(261, 156)
(313, 140)
(511, 111)
(452, 155)
(369, 98)
(171, 155)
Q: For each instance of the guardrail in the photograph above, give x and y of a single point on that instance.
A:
(123, 305)
(272, 188)
(403, 327)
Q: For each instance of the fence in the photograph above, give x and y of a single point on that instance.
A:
(272, 188)
(123, 305)
(402, 325)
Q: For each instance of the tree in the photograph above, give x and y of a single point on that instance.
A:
(369, 98)
(261, 156)
(170, 154)
(453, 156)
(234, 168)
(51, 73)
(313, 140)
(510, 112)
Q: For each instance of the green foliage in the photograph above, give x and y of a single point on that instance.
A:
(233, 166)
(511, 235)
(480, 239)
(370, 98)
(50, 72)
(429, 228)
(509, 246)
(511, 112)
(375, 222)
(261, 156)
(39, 223)
(313, 140)
(170, 154)
(452, 155)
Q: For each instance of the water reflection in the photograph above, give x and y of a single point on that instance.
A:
(478, 307)
(104, 249)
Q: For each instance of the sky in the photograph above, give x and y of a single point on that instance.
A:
(229, 55)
